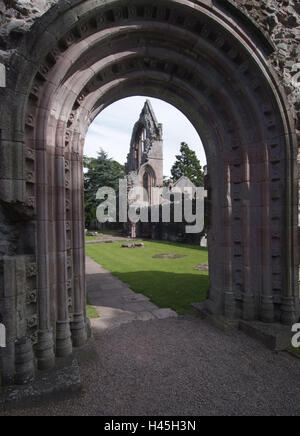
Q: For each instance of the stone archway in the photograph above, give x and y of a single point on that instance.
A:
(211, 63)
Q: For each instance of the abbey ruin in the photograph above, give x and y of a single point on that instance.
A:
(231, 66)
(144, 166)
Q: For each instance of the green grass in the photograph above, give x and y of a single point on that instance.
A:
(91, 312)
(296, 350)
(92, 238)
(170, 283)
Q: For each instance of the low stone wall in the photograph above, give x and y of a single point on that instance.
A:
(173, 232)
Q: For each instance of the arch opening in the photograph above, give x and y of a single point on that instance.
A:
(118, 131)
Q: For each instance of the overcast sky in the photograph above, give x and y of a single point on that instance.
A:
(112, 131)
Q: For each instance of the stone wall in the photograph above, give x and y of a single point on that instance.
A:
(17, 16)
(173, 232)
(280, 19)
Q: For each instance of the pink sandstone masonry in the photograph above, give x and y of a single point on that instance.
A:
(231, 67)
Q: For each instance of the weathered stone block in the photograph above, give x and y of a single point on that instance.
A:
(274, 336)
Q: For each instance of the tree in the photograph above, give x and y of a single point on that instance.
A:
(99, 172)
(187, 164)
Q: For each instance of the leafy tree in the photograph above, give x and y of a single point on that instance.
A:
(99, 172)
(187, 164)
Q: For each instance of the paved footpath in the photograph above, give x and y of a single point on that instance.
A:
(174, 366)
(115, 302)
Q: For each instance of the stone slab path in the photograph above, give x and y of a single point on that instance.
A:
(115, 302)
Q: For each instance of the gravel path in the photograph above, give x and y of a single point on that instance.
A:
(181, 366)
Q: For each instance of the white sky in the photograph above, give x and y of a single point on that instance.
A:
(112, 131)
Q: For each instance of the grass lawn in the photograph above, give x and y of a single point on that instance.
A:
(170, 283)
(296, 350)
(92, 238)
(91, 312)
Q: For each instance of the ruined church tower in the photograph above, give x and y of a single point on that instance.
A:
(144, 165)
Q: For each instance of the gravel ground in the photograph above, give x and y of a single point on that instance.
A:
(181, 366)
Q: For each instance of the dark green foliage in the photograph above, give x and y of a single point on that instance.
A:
(101, 171)
(187, 164)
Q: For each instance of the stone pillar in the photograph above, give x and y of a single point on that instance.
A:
(24, 361)
(288, 306)
(45, 345)
(229, 297)
(78, 326)
(267, 313)
(133, 231)
(63, 334)
(8, 318)
(249, 312)
(215, 300)
(19, 347)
